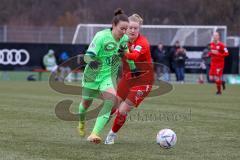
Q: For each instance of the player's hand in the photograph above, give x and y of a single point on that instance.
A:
(122, 49)
(135, 72)
(94, 64)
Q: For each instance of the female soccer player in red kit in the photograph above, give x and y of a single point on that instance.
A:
(218, 52)
(134, 87)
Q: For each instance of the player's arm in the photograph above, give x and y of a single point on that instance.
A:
(123, 49)
(92, 60)
(209, 54)
(211, 51)
(91, 55)
(133, 56)
(224, 51)
(137, 51)
(122, 52)
(134, 71)
(45, 62)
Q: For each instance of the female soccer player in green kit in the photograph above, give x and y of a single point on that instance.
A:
(100, 74)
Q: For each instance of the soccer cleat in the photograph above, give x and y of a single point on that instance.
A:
(224, 85)
(218, 93)
(81, 128)
(110, 138)
(94, 138)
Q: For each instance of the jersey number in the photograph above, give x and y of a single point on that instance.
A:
(111, 61)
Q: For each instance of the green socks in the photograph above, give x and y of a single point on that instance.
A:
(103, 117)
(82, 112)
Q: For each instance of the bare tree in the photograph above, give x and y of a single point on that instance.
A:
(72, 12)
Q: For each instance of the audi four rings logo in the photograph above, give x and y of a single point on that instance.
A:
(14, 57)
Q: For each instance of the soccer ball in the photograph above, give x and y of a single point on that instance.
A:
(166, 138)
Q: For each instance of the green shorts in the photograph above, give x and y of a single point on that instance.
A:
(93, 89)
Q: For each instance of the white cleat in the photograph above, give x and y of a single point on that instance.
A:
(110, 138)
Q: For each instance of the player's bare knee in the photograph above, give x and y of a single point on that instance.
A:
(110, 94)
(125, 107)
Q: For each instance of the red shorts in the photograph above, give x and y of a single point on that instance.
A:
(133, 90)
(216, 71)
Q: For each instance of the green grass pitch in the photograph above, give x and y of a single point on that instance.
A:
(207, 126)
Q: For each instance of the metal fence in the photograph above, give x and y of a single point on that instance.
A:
(83, 34)
(29, 34)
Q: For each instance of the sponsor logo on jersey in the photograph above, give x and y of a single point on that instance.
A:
(139, 93)
(138, 96)
(138, 48)
(110, 46)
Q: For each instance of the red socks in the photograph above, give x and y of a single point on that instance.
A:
(118, 122)
(113, 111)
(219, 85)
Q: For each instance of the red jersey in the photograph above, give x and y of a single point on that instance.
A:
(139, 52)
(222, 52)
(137, 88)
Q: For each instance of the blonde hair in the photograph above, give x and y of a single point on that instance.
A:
(136, 18)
